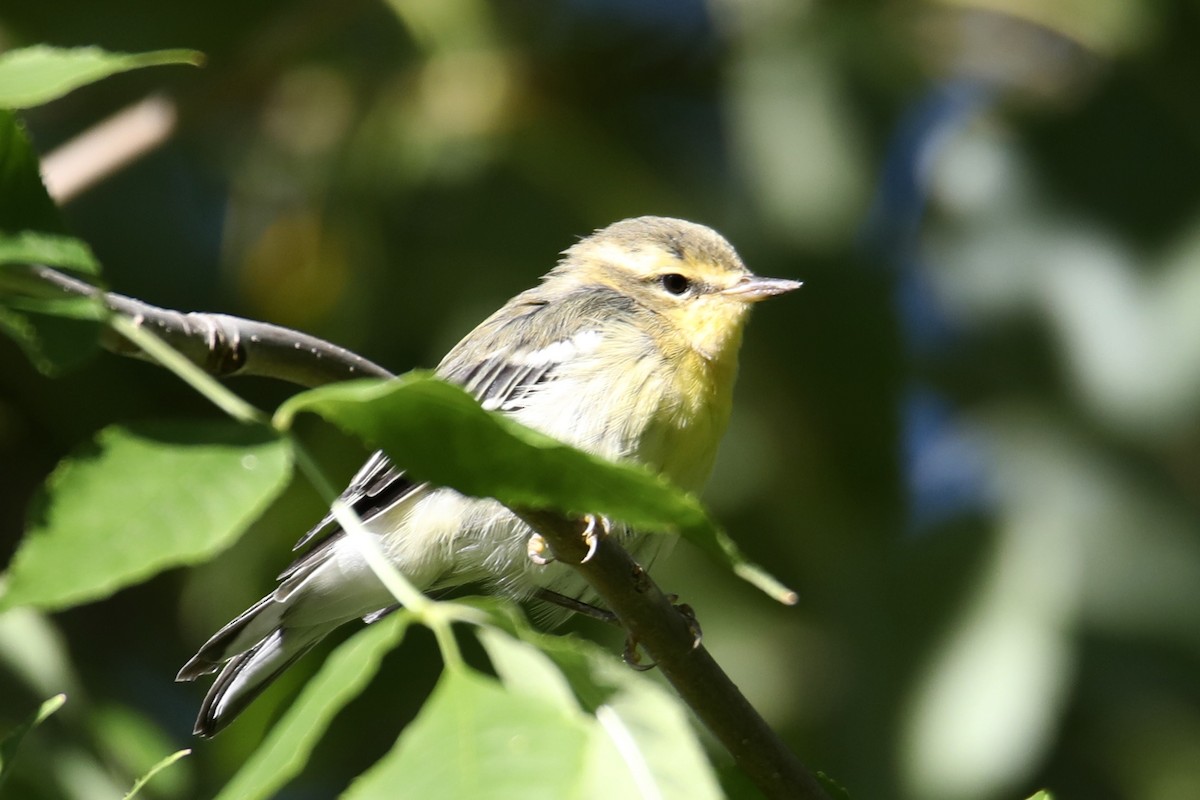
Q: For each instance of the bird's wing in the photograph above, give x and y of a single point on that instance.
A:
(376, 487)
(503, 380)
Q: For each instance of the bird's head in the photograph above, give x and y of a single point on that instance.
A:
(684, 272)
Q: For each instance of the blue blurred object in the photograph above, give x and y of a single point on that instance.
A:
(944, 468)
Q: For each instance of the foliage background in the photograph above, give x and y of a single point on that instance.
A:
(970, 442)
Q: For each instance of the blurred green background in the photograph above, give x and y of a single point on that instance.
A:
(971, 442)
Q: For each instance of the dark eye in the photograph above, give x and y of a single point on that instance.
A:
(675, 283)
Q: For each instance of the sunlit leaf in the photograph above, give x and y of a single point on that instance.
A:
(31, 76)
(440, 433)
(651, 738)
(473, 738)
(139, 500)
(522, 668)
(342, 677)
(643, 743)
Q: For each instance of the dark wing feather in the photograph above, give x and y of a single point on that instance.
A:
(376, 487)
(501, 385)
(501, 382)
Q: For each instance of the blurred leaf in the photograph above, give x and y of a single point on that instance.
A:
(524, 669)
(441, 433)
(77, 309)
(57, 336)
(575, 658)
(342, 677)
(34, 650)
(475, 739)
(131, 740)
(651, 736)
(24, 203)
(159, 767)
(31, 232)
(643, 739)
(139, 500)
(55, 250)
(1042, 795)
(35, 75)
(12, 742)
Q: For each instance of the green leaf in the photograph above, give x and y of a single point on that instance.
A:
(31, 231)
(157, 768)
(35, 652)
(141, 499)
(133, 744)
(12, 742)
(1042, 795)
(56, 336)
(651, 736)
(574, 658)
(343, 676)
(644, 733)
(524, 669)
(475, 739)
(35, 75)
(642, 740)
(53, 250)
(440, 433)
(24, 203)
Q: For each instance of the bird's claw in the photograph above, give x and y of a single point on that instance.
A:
(538, 550)
(633, 658)
(596, 528)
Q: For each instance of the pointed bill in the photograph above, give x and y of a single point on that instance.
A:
(752, 288)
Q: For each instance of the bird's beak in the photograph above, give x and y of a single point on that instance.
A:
(752, 288)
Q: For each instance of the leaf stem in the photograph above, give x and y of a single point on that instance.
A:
(157, 768)
(188, 372)
(366, 542)
(438, 617)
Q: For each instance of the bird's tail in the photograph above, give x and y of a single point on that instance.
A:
(255, 649)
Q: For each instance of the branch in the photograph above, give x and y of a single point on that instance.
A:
(669, 638)
(225, 346)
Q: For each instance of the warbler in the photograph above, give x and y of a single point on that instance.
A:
(627, 349)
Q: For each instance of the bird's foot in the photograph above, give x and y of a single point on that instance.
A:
(538, 550)
(595, 528)
(633, 657)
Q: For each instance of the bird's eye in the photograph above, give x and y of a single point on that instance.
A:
(675, 283)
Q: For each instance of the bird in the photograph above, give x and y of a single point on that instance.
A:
(626, 349)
